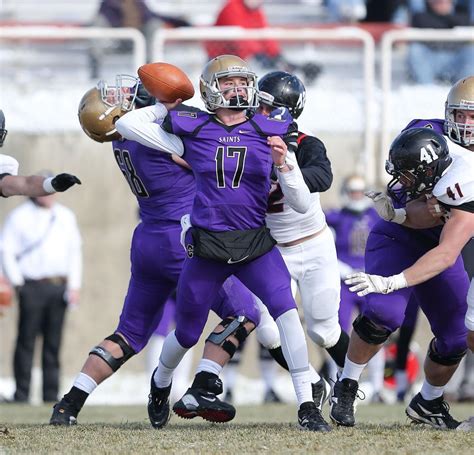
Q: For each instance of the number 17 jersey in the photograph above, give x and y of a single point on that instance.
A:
(231, 166)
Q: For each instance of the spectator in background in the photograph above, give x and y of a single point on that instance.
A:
(346, 10)
(44, 265)
(267, 53)
(430, 62)
(129, 13)
(384, 10)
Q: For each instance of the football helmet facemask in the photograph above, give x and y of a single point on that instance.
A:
(104, 104)
(282, 89)
(214, 97)
(3, 131)
(461, 96)
(418, 158)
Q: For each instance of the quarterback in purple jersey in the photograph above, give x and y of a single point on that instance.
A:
(164, 192)
(419, 158)
(232, 153)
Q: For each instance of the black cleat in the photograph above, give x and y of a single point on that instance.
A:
(433, 412)
(310, 418)
(64, 413)
(342, 402)
(321, 391)
(158, 405)
(203, 403)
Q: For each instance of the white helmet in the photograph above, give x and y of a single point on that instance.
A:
(352, 194)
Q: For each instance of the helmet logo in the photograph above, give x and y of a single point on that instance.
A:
(301, 100)
(466, 103)
(428, 154)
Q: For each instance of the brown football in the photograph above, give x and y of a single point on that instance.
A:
(165, 82)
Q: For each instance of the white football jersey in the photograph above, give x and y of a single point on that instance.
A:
(287, 225)
(456, 187)
(8, 165)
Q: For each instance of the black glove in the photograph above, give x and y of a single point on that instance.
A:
(64, 181)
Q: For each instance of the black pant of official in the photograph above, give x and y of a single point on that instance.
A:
(41, 312)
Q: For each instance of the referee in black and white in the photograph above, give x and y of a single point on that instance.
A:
(42, 259)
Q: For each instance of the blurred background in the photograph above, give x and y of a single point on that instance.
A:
(369, 68)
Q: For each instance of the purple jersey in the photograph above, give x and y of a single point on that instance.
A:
(352, 229)
(232, 166)
(164, 190)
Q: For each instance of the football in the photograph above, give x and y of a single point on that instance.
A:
(165, 82)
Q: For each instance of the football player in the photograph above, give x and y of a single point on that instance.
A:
(420, 164)
(164, 192)
(304, 241)
(12, 184)
(232, 153)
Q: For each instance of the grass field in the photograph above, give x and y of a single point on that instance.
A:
(381, 429)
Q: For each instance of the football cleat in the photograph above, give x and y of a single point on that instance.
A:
(64, 413)
(342, 402)
(203, 403)
(321, 391)
(311, 419)
(158, 405)
(433, 412)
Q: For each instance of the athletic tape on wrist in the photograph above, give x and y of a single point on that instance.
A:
(47, 185)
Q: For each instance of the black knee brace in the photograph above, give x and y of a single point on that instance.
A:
(233, 327)
(369, 331)
(447, 360)
(107, 357)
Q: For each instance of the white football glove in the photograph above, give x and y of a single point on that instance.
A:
(366, 284)
(384, 206)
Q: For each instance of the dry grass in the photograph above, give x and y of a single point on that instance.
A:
(381, 429)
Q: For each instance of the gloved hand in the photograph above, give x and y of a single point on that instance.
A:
(366, 284)
(384, 206)
(64, 181)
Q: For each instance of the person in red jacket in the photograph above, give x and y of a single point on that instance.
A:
(250, 14)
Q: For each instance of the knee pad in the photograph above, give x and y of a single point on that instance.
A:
(268, 334)
(232, 327)
(324, 333)
(369, 331)
(443, 359)
(114, 362)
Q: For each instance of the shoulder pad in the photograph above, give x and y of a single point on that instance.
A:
(436, 124)
(456, 187)
(185, 122)
(280, 113)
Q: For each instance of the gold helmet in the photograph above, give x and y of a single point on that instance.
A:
(227, 66)
(460, 97)
(103, 105)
